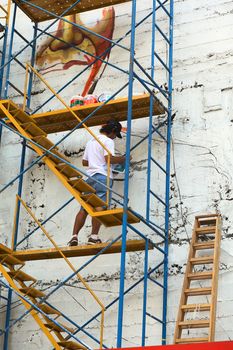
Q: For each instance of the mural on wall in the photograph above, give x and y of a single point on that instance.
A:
(55, 55)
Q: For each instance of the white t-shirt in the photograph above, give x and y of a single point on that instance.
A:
(94, 153)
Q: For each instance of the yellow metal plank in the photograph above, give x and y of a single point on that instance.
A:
(83, 250)
(71, 345)
(63, 120)
(59, 7)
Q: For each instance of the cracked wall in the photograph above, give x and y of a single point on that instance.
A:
(201, 179)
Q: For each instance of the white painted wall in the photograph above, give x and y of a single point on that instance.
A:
(201, 176)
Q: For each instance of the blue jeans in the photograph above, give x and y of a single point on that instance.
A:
(101, 191)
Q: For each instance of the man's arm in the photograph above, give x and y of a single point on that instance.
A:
(115, 159)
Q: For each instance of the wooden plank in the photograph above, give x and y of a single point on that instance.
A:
(32, 292)
(71, 345)
(202, 260)
(83, 250)
(38, 15)
(191, 340)
(194, 324)
(200, 275)
(64, 120)
(195, 307)
(204, 245)
(197, 291)
(205, 230)
(5, 250)
(56, 328)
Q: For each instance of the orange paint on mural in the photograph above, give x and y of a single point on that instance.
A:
(55, 55)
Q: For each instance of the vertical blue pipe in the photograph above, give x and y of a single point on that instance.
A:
(20, 186)
(10, 52)
(126, 184)
(3, 58)
(33, 56)
(2, 69)
(165, 278)
(150, 117)
(145, 293)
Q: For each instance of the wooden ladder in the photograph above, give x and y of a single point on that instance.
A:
(23, 284)
(202, 267)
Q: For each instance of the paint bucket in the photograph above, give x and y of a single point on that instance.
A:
(104, 97)
(76, 100)
(90, 99)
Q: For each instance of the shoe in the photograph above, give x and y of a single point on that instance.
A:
(73, 242)
(93, 241)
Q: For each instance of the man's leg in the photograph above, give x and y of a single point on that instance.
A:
(78, 224)
(94, 238)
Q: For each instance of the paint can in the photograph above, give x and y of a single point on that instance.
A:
(76, 100)
(104, 97)
(90, 99)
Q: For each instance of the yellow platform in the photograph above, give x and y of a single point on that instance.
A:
(64, 120)
(58, 7)
(82, 250)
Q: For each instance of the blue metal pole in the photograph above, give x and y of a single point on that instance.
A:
(3, 58)
(126, 184)
(33, 56)
(10, 51)
(20, 186)
(150, 117)
(165, 278)
(144, 311)
(2, 68)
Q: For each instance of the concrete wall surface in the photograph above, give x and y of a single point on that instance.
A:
(201, 169)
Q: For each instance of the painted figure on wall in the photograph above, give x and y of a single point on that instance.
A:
(55, 55)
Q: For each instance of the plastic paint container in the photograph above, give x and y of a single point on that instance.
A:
(76, 100)
(90, 99)
(104, 97)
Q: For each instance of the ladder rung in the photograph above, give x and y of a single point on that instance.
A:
(195, 307)
(93, 200)
(207, 230)
(33, 129)
(207, 221)
(5, 250)
(21, 116)
(10, 260)
(81, 186)
(32, 292)
(44, 142)
(198, 291)
(54, 327)
(48, 309)
(194, 324)
(68, 171)
(71, 345)
(200, 276)
(191, 340)
(202, 260)
(204, 245)
(21, 276)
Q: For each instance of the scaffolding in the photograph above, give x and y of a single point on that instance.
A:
(32, 124)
